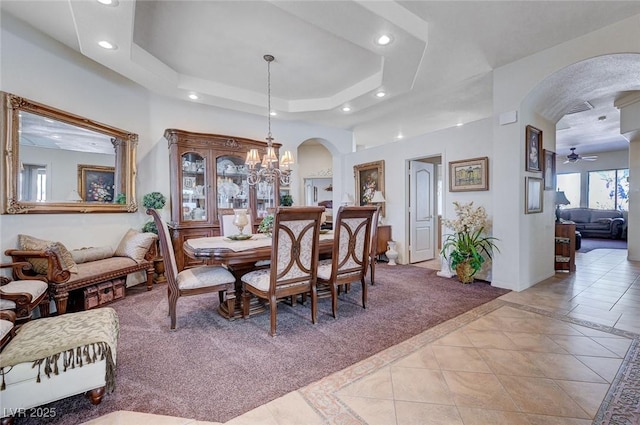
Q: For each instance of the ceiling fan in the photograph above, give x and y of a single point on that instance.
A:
(574, 157)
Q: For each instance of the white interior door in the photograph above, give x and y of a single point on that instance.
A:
(422, 212)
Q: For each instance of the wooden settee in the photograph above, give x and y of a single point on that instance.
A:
(62, 281)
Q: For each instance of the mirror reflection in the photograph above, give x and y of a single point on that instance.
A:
(59, 162)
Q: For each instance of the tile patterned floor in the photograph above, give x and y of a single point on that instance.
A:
(544, 356)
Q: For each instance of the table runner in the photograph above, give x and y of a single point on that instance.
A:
(222, 242)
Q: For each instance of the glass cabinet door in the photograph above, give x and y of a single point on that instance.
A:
(194, 187)
(232, 185)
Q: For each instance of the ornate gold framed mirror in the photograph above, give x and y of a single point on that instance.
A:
(58, 162)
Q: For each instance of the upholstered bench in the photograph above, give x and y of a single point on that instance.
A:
(67, 271)
(56, 357)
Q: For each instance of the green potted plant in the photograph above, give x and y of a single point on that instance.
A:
(266, 225)
(465, 249)
(286, 200)
(156, 201)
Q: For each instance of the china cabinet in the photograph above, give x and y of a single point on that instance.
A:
(208, 173)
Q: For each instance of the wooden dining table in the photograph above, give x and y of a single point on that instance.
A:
(240, 257)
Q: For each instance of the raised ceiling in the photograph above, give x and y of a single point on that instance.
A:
(437, 71)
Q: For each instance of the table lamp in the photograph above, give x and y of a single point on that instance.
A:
(376, 200)
(561, 199)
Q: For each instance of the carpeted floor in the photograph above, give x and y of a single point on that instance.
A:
(588, 244)
(213, 369)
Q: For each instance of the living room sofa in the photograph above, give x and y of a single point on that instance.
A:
(67, 271)
(592, 222)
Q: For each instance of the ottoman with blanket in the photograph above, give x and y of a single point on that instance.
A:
(56, 357)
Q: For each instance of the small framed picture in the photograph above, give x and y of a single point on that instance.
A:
(369, 178)
(533, 149)
(549, 170)
(533, 195)
(469, 174)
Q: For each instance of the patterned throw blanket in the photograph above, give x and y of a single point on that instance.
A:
(79, 338)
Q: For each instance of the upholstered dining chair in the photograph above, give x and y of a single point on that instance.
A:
(23, 294)
(294, 261)
(351, 253)
(193, 281)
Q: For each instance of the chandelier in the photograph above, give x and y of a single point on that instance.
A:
(267, 169)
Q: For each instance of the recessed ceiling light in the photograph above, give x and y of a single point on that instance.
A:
(345, 109)
(400, 136)
(383, 40)
(111, 3)
(381, 94)
(106, 45)
(273, 113)
(602, 117)
(56, 136)
(193, 96)
(460, 124)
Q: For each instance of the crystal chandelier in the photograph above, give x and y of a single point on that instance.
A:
(267, 169)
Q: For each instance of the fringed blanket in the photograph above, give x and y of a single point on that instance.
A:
(79, 338)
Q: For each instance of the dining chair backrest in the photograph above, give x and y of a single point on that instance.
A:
(166, 248)
(296, 238)
(227, 228)
(351, 240)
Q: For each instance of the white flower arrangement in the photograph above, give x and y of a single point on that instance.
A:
(469, 218)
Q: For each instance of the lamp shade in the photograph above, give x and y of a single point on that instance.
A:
(377, 197)
(561, 198)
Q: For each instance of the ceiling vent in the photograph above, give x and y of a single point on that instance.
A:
(580, 107)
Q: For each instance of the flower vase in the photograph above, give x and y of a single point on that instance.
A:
(465, 272)
(391, 253)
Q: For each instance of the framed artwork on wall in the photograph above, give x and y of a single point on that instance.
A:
(549, 170)
(469, 174)
(533, 149)
(96, 183)
(533, 195)
(369, 178)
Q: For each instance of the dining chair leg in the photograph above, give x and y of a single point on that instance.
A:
(44, 307)
(364, 293)
(246, 299)
(273, 307)
(173, 301)
(314, 304)
(334, 300)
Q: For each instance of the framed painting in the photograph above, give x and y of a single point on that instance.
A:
(533, 149)
(469, 174)
(96, 183)
(533, 195)
(369, 178)
(549, 170)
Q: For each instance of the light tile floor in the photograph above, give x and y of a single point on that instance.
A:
(517, 360)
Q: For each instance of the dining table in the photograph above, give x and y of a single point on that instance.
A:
(241, 257)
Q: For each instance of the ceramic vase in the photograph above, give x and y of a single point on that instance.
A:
(391, 253)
